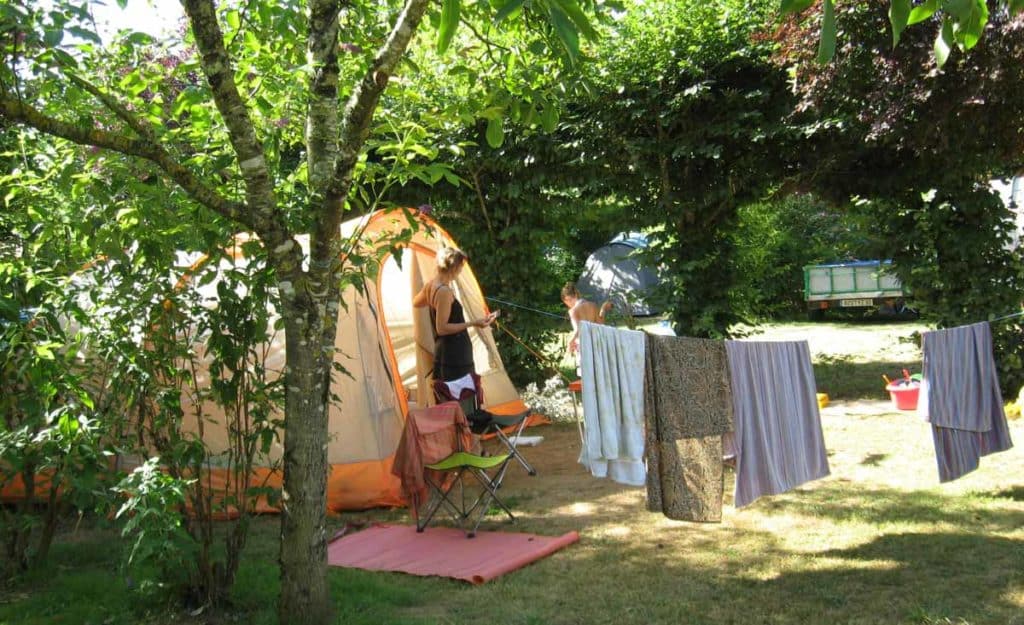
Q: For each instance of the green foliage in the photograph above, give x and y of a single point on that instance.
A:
(153, 518)
(194, 388)
(252, 129)
(884, 127)
(827, 44)
(52, 447)
(146, 339)
(682, 129)
(962, 24)
(776, 239)
(52, 451)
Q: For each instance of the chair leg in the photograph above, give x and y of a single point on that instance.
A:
(489, 494)
(439, 497)
(513, 449)
(443, 494)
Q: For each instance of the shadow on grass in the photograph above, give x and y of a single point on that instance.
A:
(682, 573)
(873, 460)
(893, 578)
(841, 502)
(720, 574)
(845, 379)
(1016, 493)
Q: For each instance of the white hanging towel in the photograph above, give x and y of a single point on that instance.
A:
(960, 397)
(777, 440)
(612, 371)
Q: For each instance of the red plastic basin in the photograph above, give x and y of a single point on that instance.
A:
(904, 396)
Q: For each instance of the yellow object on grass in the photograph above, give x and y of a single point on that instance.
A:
(1015, 408)
(822, 400)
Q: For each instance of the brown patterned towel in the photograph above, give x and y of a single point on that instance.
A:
(687, 406)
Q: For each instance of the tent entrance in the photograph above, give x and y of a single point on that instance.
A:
(408, 328)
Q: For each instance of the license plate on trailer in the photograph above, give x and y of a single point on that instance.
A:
(849, 303)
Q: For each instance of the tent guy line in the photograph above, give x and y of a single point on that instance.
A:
(539, 312)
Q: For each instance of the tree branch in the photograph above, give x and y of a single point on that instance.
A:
(355, 124)
(259, 187)
(322, 119)
(20, 112)
(483, 205)
(141, 128)
(488, 44)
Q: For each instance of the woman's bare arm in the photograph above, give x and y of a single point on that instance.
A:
(444, 299)
(422, 298)
(574, 340)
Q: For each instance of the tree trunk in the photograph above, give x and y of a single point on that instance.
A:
(303, 556)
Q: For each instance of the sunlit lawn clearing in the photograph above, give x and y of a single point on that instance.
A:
(850, 358)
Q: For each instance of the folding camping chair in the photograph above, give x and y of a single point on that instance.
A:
(446, 479)
(506, 428)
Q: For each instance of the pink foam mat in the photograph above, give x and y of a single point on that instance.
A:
(442, 551)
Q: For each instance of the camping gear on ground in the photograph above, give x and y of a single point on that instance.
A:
(612, 363)
(442, 551)
(384, 345)
(904, 395)
(778, 442)
(430, 435)
(960, 397)
(506, 428)
(865, 284)
(903, 391)
(823, 399)
(687, 407)
(614, 272)
(449, 453)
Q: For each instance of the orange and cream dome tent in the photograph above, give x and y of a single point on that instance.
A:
(386, 347)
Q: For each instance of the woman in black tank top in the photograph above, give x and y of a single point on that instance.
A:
(453, 351)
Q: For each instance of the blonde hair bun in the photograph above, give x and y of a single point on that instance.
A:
(449, 258)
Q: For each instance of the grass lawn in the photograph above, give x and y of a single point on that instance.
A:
(879, 541)
(850, 358)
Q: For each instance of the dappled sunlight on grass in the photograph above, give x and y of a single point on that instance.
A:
(579, 508)
(617, 531)
(876, 542)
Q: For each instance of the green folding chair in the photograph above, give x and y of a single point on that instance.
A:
(486, 423)
(466, 511)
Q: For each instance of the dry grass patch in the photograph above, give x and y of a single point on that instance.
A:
(879, 541)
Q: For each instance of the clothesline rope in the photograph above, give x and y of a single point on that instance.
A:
(1005, 317)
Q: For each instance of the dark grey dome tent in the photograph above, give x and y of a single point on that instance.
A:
(613, 273)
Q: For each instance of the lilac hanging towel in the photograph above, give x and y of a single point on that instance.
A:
(777, 440)
(960, 397)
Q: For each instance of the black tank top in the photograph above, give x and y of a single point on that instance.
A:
(453, 353)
